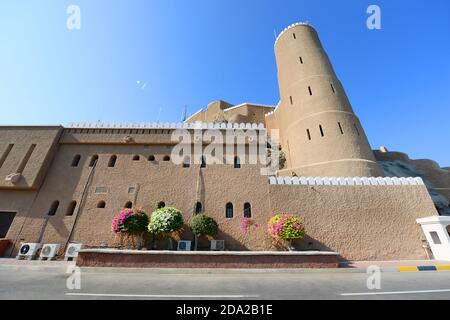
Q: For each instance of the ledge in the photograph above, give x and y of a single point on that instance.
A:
(206, 259)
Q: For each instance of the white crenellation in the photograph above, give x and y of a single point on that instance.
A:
(289, 27)
(346, 181)
(166, 125)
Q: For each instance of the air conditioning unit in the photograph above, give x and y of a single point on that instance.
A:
(184, 245)
(49, 251)
(28, 250)
(72, 251)
(217, 245)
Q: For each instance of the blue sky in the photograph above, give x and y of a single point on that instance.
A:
(194, 52)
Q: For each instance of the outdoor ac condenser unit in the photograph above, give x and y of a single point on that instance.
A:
(72, 251)
(28, 250)
(217, 245)
(49, 251)
(184, 245)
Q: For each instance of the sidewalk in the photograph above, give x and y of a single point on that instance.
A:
(345, 267)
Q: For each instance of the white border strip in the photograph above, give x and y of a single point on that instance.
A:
(346, 181)
(166, 125)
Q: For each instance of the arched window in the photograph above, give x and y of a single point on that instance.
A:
(101, 204)
(237, 163)
(76, 160)
(202, 162)
(136, 157)
(229, 210)
(71, 208)
(128, 205)
(161, 204)
(151, 158)
(247, 210)
(112, 161)
(186, 162)
(166, 158)
(93, 161)
(53, 208)
(198, 208)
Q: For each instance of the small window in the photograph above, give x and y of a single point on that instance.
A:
(356, 128)
(151, 158)
(310, 91)
(435, 237)
(128, 205)
(101, 204)
(247, 210)
(203, 162)
(93, 161)
(161, 204)
(112, 161)
(301, 60)
(321, 130)
(229, 210)
(340, 128)
(53, 208)
(308, 134)
(294, 36)
(136, 157)
(76, 160)
(237, 163)
(186, 162)
(292, 101)
(71, 208)
(166, 158)
(198, 208)
(332, 88)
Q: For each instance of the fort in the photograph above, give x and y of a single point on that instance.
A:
(65, 184)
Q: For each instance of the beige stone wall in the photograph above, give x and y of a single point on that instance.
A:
(359, 222)
(29, 150)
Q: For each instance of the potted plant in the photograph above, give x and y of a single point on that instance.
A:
(203, 225)
(285, 228)
(131, 223)
(166, 221)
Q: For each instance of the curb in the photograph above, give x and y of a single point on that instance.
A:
(424, 268)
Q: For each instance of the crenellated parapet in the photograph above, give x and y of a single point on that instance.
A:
(167, 125)
(346, 181)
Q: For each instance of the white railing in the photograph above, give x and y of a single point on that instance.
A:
(166, 125)
(346, 181)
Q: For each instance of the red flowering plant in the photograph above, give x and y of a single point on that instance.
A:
(285, 227)
(130, 222)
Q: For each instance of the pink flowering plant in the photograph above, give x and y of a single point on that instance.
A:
(285, 227)
(246, 225)
(130, 222)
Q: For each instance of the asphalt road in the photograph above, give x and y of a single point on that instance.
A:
(31, 282)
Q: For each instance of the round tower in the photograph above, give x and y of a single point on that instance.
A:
(320, 134)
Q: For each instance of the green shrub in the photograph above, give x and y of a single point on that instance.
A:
(166, 221)
(202, 225)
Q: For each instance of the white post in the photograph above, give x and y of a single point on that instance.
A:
(437, 234)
